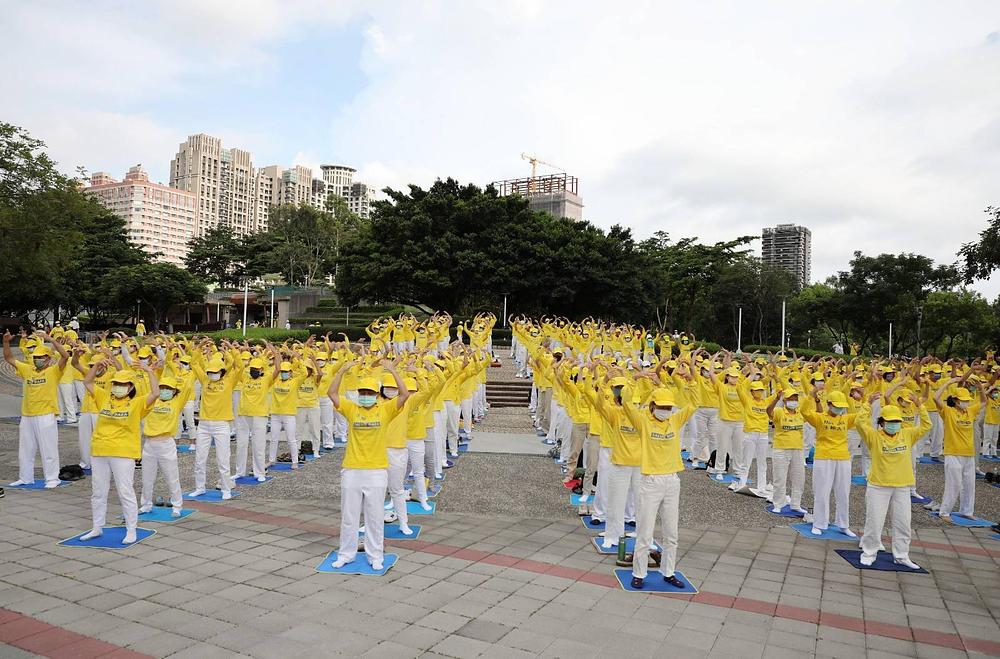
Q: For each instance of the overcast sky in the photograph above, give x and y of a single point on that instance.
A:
(875, 124)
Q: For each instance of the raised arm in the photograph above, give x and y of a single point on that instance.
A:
(8, 356)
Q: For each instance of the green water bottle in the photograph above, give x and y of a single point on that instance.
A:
(621, 548)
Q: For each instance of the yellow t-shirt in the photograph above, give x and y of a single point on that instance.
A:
(831, 434)
(892, 464)
(788, 429)
(285, 394)
(992, 412)
(164, 416)
(730, 405)
(626, 443)
(116, 433)
(958, 435)
(89, 406)
(754, 411)
(40, 388)
(660, 440)
(254, 396)
(308, 392)
(367, 427)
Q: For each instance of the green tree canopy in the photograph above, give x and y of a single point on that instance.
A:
(158, 286)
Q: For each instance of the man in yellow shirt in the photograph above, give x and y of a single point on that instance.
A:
(159, 451)
(251, 426)
(284, 408)
(787, 450)
(307, 415)
(37, 431)
(832, 464)
(68, 407)
(218, 376)
(889, 479)
(958, 414)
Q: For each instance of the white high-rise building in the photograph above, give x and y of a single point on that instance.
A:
(339, 179)
(289, 186)
(160, 219)
(360, 200)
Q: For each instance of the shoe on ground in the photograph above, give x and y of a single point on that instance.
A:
(1, 493)
(945, 516)
(732, 486)
(340, 562)
(138, 464)
(315, 455)
(629, 534)
(930, 505)
(17, 483)
(51, 485)
(906, 562)
(295, 465)
(867, 560)
(608, 545)
(196, 493)
(176, 512)
(674, 581)
(261, 479)
(720, 477)
(145, 509)
(227, 495)
(769, 487)
(638, 582)
(425, 506)
(800, 509)
(91, 534)
(129, 537)
(405, 530)
(816, 531)
(849, 533)
(377, 566)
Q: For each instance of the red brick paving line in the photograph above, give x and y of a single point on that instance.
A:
(33, 635)
(888, 630)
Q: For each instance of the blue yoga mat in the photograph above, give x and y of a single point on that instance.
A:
(434, 490)
(728, 479)
(685, 454)
(112, 538)
(87, 471)
(786, 511)
(391, 531)
(964, 521)
(995, 536)
(629, 546)
(358, 566)
(463, 448)
(830, 533)
(414, 508)
(39, 485)
(185, 448)
(989, 458)
(883, 562)
(252, 480)
(653, 583)
(576, 499)
(920, 500)
(859, 480)
(164, 514)
(283, 466)
(588, 522)
(210, 495)
(928, 460)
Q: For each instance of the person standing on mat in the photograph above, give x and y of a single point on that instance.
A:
(37, 431)
(832, 462)
(218, 377)
(251, 427)
(116, 445)
(397, 447)
(363, 478)
(160, 448)
(787, 450)
(958, 413)
(890, 478)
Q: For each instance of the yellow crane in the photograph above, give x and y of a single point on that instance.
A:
(536, 161)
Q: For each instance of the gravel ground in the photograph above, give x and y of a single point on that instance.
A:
(484, 484)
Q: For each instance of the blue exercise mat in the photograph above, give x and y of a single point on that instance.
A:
(965, 521)
(989, 458)
(728, 479)
(87, 471)
(414, 507)
(392, 532)
(463, 448)
(164, 514)
(112, 538)
(210, 495)
(653, 583)
(859, 480)
(920, 500)
(308, 457)
(588, 522)
(883, 562)
(685, 454)
(629, 546)
(252, 480)
(577, 499)
(283, 466)
(358, 566)
(185, 448)
(830, 533)
(786, 511)
(39, 485)
(928, 460)
(434, 490)
(995, 536)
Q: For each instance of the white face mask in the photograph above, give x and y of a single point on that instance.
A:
(792, 405)
(390, 393)
(662, 414)
(320, 363)
(119, 390)
(214, 377)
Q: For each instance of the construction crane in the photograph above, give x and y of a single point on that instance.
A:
(536, 161)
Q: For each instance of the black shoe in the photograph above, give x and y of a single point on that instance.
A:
(1, 493)
(595, 522)
(138, 464)
(674, 581)
(638, 582)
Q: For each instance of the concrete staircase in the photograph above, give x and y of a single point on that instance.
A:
(508, 394)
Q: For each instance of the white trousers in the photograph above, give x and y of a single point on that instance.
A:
(754, 448)
(959, 484)
(326, 421)
(878, 501)
(440, 434)
(416, 449)
(362, 490)
(38, 434)
(84, 433)
(831, 476)
(307, 426)
(81, 391)
(600, 507)
(936, 439)
(123, 469)
(453, 411)
(284, 422)
(788, 461)
(990, 433)
(67, 402)
(707, 419)
(161, 454)
(729, 441)
(236, 404)
(622, 485)
(209, 433)
(186, 421)
(657, 494)
(251, 433)
(398, 458)
(466, 418)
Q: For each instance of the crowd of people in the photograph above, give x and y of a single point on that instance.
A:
(630, 409)
(395, 403)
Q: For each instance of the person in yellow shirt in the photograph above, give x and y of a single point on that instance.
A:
(37, 430)
(832, 464)
(217, 376)
(159, 451)
(307, 421)
(958, 414)
(397, 447)
(251, 426)
(890, 478)
(88, 408)
(140, 328)
(116, 445)
(991, 423)
(755, 423)
(284, 407)
(68, 407)
(659, 427)
(787, 450)
(729, 433)
(363, 478)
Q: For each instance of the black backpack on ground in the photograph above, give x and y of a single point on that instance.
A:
(71, 473)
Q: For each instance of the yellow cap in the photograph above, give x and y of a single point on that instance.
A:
(817, 377)
(663, 398)
(733, 372)
(144, 351)
(891, 413)
(122, 377)
(618, 382)
(185, 359)
(837, 399)
(256, 362)
(368, 384)
(963, 394)
(246, 355)
(116, 343)
(215, 364)
(171, 382)
(411, 384)
(286, 366)
(322, 356)
(388, 381)
(790, 393)
(757, 386)
(40, 351)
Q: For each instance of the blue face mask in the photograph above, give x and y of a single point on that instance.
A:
(166, 394)
(893, 427)
(285, 375)
(366, 401)
(838, 411)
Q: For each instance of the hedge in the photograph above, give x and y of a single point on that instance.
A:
(801, 352)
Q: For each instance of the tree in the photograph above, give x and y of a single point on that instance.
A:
(216, 256)
(303, 242)
(159, 286)
(982, 257)
(957, 320)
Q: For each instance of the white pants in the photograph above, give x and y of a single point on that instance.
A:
(788, 460)
(657, 494)
(81, 391)
(466, 417)
(236, 404)
(416, 450)
(959, 484)
(187, 420)
(831, 476)
(729, 442)
(453, 411)
(878, 501)
(326, 421)
(362, 490)
(440, 433)
(600, 507)
(754, 448)
(38, 433)
(622, 485)
(124, 472)
(212, 432)
(307, 426)
(86, 430)
(707, 419)
(936, 436)
(990, 433)
(286, 422)
(251, 431)
(67, 402)
(398, 458)
(160, 454)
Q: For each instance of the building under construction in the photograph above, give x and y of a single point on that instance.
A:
(554, 193)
